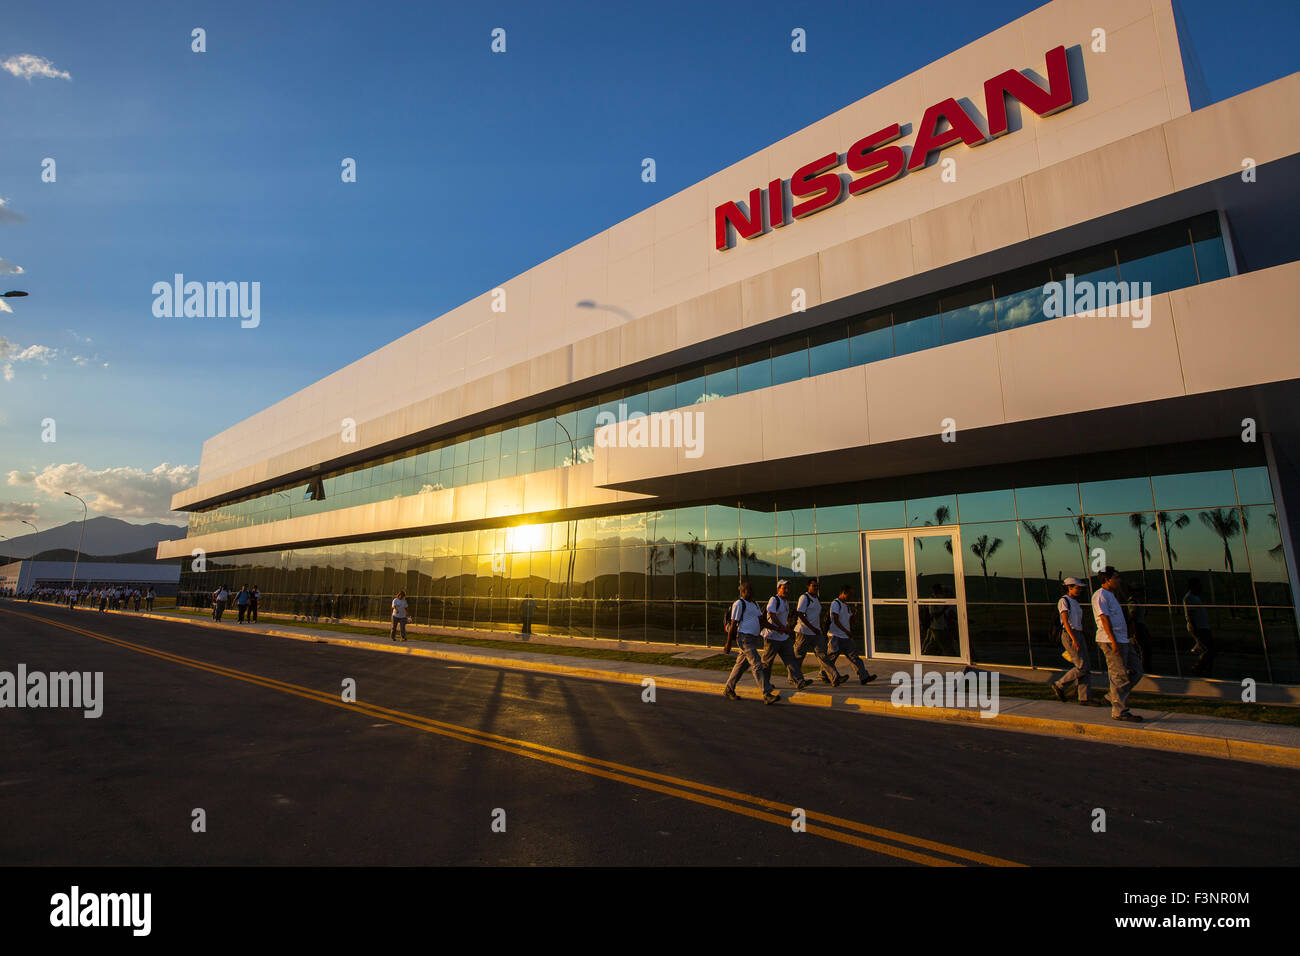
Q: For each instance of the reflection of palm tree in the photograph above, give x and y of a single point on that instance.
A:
(1225, 523)
(942, 516)
(1274, 552)
(1089, 530)
(985, 549)
(719, 550)
(1167, 523)
(693, 548)
(1138, 522)
(1041, 535)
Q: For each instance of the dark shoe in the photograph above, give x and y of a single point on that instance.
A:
(730, 694)
(826, 680)
(1130, 718)
(772, 698)
(802, 684)
(868, 679)
(1060, 694)
(840, 679)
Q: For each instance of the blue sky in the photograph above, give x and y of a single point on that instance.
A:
(472, 167)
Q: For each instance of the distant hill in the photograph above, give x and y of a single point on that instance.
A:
(106, 539)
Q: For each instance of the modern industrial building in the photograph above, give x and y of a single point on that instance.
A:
(21, 576)
(1025, 312)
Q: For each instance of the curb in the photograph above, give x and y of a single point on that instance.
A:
(1194, 744)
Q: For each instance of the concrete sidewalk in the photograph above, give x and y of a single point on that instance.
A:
(1245, 740)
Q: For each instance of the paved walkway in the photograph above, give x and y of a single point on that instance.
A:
(1162, 730)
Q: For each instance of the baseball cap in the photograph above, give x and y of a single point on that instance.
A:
(1072, 582)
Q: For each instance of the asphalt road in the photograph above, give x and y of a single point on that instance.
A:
(254, 731)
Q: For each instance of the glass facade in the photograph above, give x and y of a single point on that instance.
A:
(668, 575)
(1171, 257)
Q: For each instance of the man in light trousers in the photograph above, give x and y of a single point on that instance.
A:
(1122, 660)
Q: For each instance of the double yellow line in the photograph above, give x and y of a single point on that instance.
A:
(900, 845)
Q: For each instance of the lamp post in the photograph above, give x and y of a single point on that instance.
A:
(36, 540)
(80, 539)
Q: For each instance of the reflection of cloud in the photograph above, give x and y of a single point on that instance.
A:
(1022, 312)
(27, 65)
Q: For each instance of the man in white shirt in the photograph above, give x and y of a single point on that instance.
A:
(777, 637)
(1070, 614)
(746, 619)
(399, 616)
(1122, 661)
(809, 635)
(841, 640)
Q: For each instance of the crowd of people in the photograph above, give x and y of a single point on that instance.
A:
(107, 597)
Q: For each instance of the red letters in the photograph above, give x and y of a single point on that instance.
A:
(1056, 97)
(882, 164)
(729, 212)
(814, 180)
(944, 124)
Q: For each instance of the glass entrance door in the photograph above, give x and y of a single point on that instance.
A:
(915, 596)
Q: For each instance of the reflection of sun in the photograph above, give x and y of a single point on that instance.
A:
(529, 537)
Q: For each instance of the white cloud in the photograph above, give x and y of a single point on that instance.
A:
(17, 510)
(27, 65)
(7, 268)
(122, 492)
(10, 215)
(10, 353)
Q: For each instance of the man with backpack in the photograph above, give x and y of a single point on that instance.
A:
(776, 637)
(1068, 626)
(744, 622)
(841, 640)
(809, 635)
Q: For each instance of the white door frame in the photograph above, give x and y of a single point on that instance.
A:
(913, 601)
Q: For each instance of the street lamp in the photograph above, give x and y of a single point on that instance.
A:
(35, 541)
(81, 538)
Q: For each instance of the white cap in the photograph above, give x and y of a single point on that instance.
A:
(782, 583)
(1072, 582)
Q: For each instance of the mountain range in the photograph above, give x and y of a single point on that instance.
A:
(105, 536)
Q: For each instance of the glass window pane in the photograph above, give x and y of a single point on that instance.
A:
(991, 564)
(755, 370)
(662, 395)
(1196, 490)
(829, 349)
(967, 313)
(1091, 265)
(837, 518)
(1019, 296)
(724, 521)
(1162, 257)
(986, 506)
(790, 360)
(1047, 501)
(692, 386)
(1211, 256)
(939, 510)
(1253, 486)
(1117, 496)
(720, 378)
(882, 515)
(917, 326)
(871, 338)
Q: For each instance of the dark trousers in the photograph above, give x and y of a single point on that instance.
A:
(243, 609)
(252, 610)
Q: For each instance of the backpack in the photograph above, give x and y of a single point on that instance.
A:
(1057, 629)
